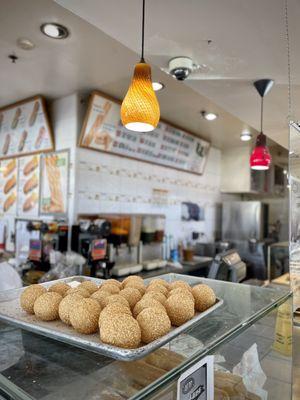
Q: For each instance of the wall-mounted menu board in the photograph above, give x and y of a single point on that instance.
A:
(167, 145)
(29, 186)
(24, 128)
(8, 186)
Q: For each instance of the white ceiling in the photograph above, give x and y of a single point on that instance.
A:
(248, 43)
(91, 59)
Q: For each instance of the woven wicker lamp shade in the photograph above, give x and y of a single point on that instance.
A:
(140, 108)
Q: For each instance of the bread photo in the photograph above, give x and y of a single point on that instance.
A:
(22, 141)
(17, 116)
(10, 184)
(6, 144)
(30, 202)
(39, 139)
(10, 167)
(30, 184)
(31, 165)
(34, 113)
(9, 202)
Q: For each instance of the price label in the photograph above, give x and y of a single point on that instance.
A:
(197, 383)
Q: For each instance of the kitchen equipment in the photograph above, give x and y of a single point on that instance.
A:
(148, 229)
(11, 312)
(228, 266)
(245, 226)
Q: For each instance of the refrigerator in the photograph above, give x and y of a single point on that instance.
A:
(245, 227)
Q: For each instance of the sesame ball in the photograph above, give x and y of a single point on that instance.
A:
(121, 330)
(60, 287)
(160, 282)
(178, 284)
(29, 296)
(100, 296)
(136, 285)
(180, 309)
(113, 309)
(204, 297)
(116, 298)
(90, 286)
(156, 295)
(132, 295)
(84, 317)
(110, 287)
(183, 292)
(46, 306)
(154, 323)
(132, 278)
(114, 282)
(79, 290)
(146, 302)
(157, 287)
(67, 304)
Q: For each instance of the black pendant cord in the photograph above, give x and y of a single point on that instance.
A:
(261, 114)
(143, 33)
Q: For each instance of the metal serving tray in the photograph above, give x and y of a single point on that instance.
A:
(11, 312)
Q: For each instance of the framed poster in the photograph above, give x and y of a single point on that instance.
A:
(167, 145)
(25, 128)
(8, 186)
(54, 183)
(29, 186)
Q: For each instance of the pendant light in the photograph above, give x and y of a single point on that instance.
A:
(140, 108)
(260, 158)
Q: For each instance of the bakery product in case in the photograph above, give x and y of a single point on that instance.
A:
(204, 297)
(46, 306)
(29, 296)
(154, 323)
(121, 330)
(84, 317)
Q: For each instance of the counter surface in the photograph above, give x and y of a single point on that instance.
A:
(39, 368)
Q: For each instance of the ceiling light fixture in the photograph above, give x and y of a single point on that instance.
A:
(246, 136)
(260, 158)
(140, 109)
(55, 31)
(209, 116)
(157, 86)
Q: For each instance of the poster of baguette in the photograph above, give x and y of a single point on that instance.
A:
(8, 186)
(167, 144)
(25, 128)
(54, 183)
(29, 186)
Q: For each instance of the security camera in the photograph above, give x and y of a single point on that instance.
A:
(181, 67)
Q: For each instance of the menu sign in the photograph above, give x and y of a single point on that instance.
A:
(166, 145)
(24, 128)
(29, 184)
(8, 186)
(54, 187)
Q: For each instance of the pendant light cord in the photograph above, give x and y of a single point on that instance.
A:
(288, 53)
(261, 113)
(143, 32)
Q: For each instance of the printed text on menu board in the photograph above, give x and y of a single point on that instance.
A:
(166, 145)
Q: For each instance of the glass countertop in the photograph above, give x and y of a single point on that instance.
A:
(36, 367)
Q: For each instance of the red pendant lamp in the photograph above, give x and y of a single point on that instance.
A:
(260, 158)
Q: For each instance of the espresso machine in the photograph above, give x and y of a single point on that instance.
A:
(49, 236)
(90, 239)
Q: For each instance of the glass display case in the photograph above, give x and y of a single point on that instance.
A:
(250, 337)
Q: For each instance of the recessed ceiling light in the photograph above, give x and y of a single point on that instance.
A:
(245, 136)
(209, 116)
(157, 86)
(55, 31)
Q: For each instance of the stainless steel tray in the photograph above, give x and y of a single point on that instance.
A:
(11, 312)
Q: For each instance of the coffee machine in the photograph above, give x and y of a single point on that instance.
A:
(90, 239)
